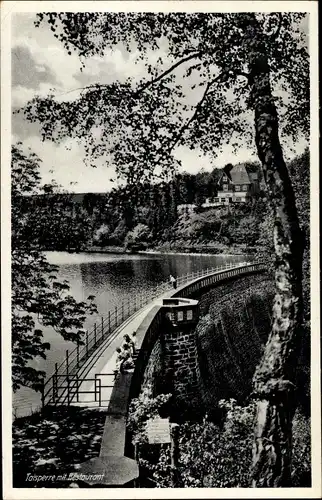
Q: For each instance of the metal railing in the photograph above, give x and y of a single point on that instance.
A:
(74, 362)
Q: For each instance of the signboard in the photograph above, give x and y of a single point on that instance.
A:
(158, 430)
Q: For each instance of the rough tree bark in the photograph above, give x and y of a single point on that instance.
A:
(274, 380)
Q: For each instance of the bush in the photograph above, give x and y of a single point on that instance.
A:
(216, 455)
(301, 458)
(54, 443)
(102, 235)
(140, 235)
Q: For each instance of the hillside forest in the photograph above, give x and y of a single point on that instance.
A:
(147, 216)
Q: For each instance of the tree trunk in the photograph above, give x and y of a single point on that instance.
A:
(274, 380)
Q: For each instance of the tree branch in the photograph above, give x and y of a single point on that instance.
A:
(181, 131)
(167, 72)
(101, 86)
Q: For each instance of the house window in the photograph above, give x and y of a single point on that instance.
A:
(237, 187)
(245, 187)
(216, 200)
(189, 314)
(171, 316)
(225, 187)
(222, 200)
(180, 316)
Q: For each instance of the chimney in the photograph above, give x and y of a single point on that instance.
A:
(228, 168)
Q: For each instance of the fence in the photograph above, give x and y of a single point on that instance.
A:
(56, 393)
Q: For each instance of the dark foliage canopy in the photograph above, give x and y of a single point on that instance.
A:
(203, 55)
(38, 298)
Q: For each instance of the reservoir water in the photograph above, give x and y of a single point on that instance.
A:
(111, 278)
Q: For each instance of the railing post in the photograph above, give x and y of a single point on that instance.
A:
(77, 354)
(77, 393)
(99, 392)
(43, 395)
(95, 388)
(86, 342)
(53, 387)
(55, 382)
(68, 389)
(67, 362)
(94, 334)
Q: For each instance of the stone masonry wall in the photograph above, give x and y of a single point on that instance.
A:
(234, 326)
(215, 360)
(181, 367)
(173, 368)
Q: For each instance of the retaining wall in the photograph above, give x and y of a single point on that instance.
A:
(234, 326)
(216, 351)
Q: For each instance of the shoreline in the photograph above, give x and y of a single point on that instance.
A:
(194, 251)
(209, 254)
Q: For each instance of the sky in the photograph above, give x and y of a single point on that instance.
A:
(39, 64)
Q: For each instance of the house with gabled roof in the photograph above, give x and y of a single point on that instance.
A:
(235, 185)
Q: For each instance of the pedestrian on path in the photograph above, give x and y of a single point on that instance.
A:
(173, 281)
(131, 341)
(128, 342)
(127, 362)
(134, 342)
(119, 359)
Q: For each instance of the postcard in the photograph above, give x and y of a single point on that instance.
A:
(160, 289)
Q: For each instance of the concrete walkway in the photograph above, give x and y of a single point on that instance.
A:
(105, 363)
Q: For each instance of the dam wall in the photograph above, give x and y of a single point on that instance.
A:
(234, 324)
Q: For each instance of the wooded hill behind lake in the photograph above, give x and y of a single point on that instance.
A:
(148, 216)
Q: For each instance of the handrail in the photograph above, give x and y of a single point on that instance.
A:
(75, 359)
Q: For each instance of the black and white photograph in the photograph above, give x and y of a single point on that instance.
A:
(160, 249)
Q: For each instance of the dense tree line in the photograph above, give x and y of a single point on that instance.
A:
(145, 214)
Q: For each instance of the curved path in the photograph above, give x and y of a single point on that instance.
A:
(100, 367)
(105, 363)
(116, 461)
